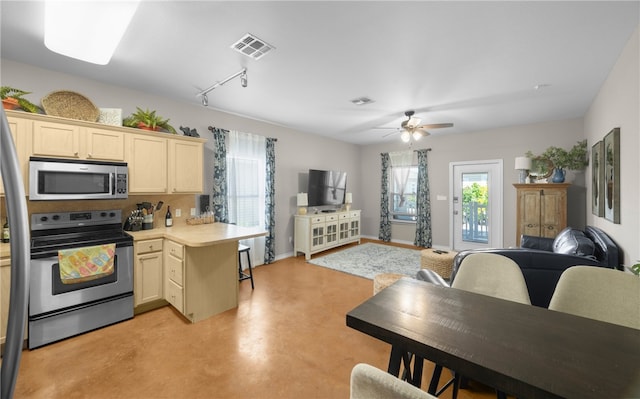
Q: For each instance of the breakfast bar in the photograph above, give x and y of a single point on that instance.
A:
(194, 268)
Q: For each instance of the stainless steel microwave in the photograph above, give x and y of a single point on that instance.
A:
(53, 179)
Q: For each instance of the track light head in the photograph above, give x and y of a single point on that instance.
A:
(205, 100)
(243, 78)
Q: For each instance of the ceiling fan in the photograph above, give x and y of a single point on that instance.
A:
(411, 127)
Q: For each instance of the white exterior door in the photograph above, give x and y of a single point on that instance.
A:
(476, 204)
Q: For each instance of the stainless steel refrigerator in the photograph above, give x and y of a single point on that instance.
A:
(19, 230)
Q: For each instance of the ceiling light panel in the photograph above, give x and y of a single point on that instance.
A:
(252, 47)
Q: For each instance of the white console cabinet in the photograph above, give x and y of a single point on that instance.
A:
(319, 232)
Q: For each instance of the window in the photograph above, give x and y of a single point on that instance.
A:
(402, 193)
(246, 179)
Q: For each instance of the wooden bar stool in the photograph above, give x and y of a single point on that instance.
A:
(242, 275)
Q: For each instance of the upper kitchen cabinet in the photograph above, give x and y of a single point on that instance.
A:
(50, 139)
(55, 140)
(185, 166)
(159, 163)
(104, 145)
(20, 129)
(147, 161)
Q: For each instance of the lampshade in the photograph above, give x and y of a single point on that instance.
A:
(406, 136)
(417, 136)
(523, 163)
(348, 198)
(302, 199)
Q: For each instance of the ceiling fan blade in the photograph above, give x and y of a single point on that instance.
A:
(435, 126)
(389, 134)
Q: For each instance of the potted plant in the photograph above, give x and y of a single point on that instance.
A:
(635, 268)
(573, 159)
(148, 120)
(12, 99)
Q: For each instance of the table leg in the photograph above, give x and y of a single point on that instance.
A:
(401, 357)
(394, 361)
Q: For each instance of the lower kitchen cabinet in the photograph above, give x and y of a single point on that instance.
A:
(5, 284)
(148, 273)
(201, 281)
(174, 271)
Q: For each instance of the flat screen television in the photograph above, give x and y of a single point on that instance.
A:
(326, 187)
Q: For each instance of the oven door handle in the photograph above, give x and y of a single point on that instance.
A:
(112, 180)
(18, 228)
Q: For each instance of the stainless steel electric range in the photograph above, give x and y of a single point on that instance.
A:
(58, 310)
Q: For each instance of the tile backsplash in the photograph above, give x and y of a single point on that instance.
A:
(183, 202)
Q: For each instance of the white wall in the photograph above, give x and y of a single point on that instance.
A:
(296, 152)
(618, 105)
(504, 143)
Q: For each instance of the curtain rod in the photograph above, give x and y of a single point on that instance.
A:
(210, 128)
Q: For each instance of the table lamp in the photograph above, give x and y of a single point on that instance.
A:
(523, 164)
(302, 202)
(348, 199)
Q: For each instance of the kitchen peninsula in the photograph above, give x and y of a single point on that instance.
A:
(194, 268)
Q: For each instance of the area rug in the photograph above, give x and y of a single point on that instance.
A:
(369, 259)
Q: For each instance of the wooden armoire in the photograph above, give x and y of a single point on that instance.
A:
(541, 209)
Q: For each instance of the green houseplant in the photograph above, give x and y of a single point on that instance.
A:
(148, 120)
(574, 159)
(12, 99)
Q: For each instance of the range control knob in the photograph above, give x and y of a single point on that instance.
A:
(55, 217)
(112, 214)
(103, 214)
(43, 218)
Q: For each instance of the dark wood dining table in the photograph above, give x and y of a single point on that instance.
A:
(522, 350)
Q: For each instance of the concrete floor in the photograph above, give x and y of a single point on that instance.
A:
(286, 339)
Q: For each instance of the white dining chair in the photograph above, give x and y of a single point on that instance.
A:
(599, 293)
(368, 382)
(487, 274)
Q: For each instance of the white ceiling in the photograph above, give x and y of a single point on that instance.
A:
(471, 63)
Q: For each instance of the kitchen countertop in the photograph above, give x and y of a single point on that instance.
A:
(201, 235)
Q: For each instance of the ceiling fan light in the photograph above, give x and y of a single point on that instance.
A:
(417, 136)
(406, 136)
(413, 121)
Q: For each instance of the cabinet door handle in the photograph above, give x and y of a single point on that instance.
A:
(147, 257)
(89, 155)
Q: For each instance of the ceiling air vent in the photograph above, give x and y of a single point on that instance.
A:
(362, 100)
(252, 47)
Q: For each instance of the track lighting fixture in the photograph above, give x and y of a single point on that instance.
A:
(243, 82)
(243, 78)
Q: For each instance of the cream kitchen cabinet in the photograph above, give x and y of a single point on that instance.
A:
(201, 281)
(185, 166)
(53, 139)
(158, 163)
(105, 145)
(148, 273)
(147, 161)
(174, 271)
(20, 129)
(5, 284)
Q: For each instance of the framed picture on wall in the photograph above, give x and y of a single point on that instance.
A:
(597, 179)
(612, 175)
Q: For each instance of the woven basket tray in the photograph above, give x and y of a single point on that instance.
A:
(69, 104)
(439, 263)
